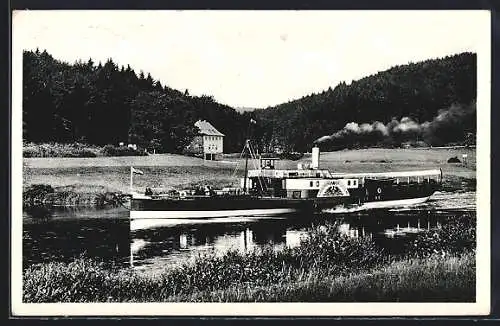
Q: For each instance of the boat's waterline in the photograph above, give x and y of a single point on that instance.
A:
(378, 205)
(194, 214)
(208, 214)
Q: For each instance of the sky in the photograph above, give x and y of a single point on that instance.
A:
(252, 59)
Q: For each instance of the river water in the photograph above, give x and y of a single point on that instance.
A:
(107, 235)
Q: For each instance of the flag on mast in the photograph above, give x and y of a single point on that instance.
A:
(136, 171)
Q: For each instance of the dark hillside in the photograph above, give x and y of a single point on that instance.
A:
(417, 92)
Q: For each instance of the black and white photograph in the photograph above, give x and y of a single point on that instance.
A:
(282, 163)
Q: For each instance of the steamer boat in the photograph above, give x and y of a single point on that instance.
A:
(267, 190)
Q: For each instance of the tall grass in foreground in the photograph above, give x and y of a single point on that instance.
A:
(415, 280)
(432, 279)
(326, 266)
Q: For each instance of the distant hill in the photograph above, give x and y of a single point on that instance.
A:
(431, 101)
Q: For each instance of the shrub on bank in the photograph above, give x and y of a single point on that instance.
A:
(433, 279)
(36, 193)
(110, 150)
(73, 195)
(59, 150)
(77, 150)
(456, 235)
(325, 247)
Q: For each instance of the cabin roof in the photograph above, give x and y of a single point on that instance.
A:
(207, 129)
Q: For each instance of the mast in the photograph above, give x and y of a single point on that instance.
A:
(246, 166)
(131, 180)
(247, 146)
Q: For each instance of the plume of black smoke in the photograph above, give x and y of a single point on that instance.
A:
(449, 125)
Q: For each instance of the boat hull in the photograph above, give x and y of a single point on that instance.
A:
(191, 214)
(372, 195)
(206, 207)
(378, 205)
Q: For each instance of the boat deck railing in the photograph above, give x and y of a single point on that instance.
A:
(289, 173)
(434, 173)
(421, 173)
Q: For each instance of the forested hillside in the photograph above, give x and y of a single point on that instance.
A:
(431, 101)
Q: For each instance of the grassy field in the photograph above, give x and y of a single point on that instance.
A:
(167, 171)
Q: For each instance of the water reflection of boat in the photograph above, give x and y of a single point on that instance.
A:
(267, 190)
(137, 245)
(391, 233)
(175, 243)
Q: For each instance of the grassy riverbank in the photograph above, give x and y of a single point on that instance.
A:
(70, 196)
(434, 279)
(437, 265)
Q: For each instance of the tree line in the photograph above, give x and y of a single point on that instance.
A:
(106, 104)
(418, 92)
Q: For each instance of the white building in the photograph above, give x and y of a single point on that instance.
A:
(209, 142)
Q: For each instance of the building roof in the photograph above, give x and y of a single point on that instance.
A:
(207, 129)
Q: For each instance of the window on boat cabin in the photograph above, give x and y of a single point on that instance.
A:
(296, 194)
(317, 183)
(348, 182)
(311, 184)
(354, 182)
